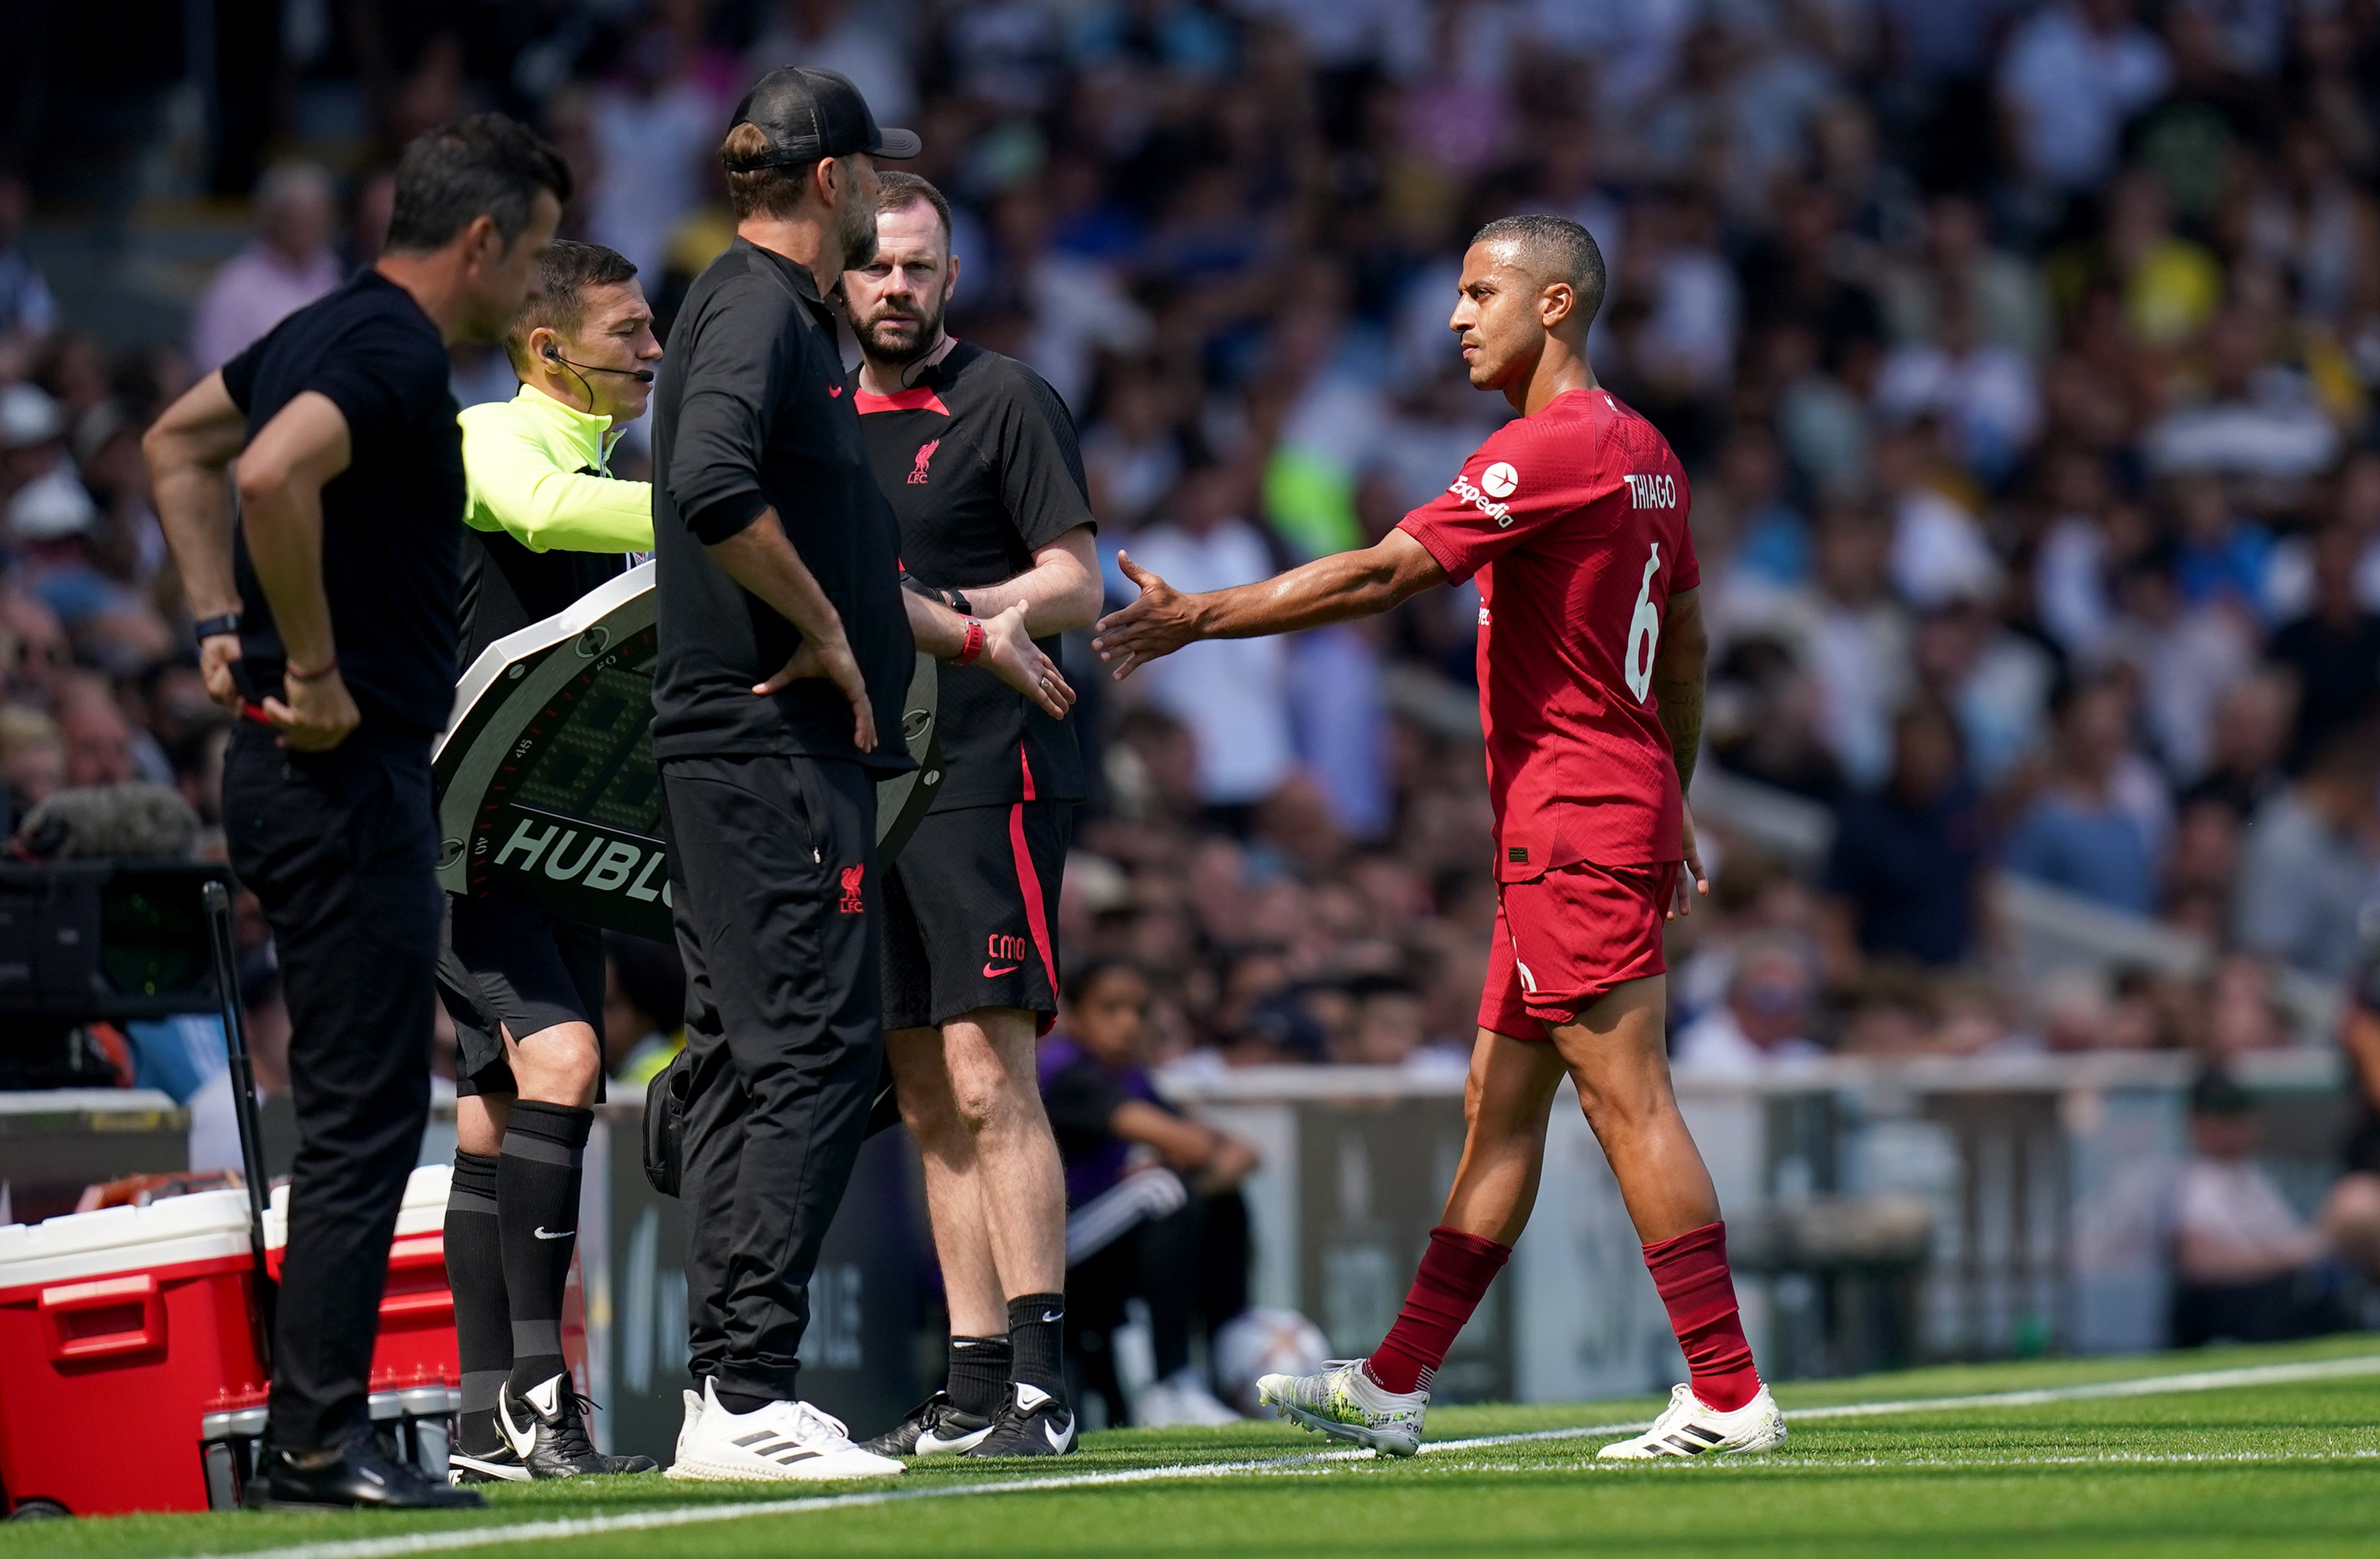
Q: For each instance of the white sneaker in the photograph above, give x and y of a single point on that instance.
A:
(1180, 1399)
(685, 1431)
(1342, 1403)
(785, 1441)
(1688, 1428)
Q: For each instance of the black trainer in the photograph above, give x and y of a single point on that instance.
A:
(1035, 1424)
(932, 1427)
(547, 1430)
(501, 1464)
(359, 1476)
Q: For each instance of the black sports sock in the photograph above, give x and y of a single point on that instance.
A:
(1036, 1328)
(537, 1198)
(738, 1402)
(484, 1320)
(979, 1375)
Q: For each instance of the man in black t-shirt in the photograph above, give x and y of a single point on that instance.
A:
(329, 622)
(782, 630)
(978, 456)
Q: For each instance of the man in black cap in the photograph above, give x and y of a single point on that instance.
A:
(784, 630)
(329, 621)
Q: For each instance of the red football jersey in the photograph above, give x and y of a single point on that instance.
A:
(1574, 520)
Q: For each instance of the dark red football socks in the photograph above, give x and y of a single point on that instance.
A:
(1691, 1272)
(1455, 1272)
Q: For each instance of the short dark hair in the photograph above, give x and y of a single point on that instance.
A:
(568, 268)
(485, 165)
(1085, 978)
(1559, 250)
(897, 190)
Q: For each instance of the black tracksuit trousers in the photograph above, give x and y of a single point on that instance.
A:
(773, 883)
(341, 850)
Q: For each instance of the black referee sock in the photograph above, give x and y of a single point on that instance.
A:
(483, 1320)
(1037, 1332)
(537, 1197)
(979, 1375)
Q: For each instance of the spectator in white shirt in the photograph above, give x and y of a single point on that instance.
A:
(1762, 1025)
(1230, 693)
(2072, 75)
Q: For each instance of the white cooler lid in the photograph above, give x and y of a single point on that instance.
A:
(202, 1226)
(422, 1212)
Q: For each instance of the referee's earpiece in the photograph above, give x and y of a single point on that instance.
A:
(550, 355)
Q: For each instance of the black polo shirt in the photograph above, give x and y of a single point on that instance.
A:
(979, 462)
(751, 414)
(392, 521)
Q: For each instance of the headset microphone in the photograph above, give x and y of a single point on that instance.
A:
(642, 376)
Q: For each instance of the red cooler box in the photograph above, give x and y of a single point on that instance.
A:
(417, 1309)
(116, 1329)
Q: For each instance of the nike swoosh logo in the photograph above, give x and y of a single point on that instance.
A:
(544, 1232)
(990, 972)
(1058, 1441)
(1055, 1315)
(929, 1443)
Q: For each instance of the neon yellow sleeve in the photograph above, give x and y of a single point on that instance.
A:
(517, 486)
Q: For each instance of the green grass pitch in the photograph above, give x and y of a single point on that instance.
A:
(2105, 1458)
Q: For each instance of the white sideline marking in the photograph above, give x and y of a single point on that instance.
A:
(1310, 1463)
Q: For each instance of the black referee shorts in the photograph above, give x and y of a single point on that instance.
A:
(970, 909)
(529, 969)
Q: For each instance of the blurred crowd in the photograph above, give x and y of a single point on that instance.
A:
(2022, 355)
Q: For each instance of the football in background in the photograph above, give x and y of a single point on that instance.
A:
(1265, 1341)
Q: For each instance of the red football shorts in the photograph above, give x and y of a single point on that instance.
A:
(1565, 938)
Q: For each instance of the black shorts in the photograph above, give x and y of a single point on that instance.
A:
(970, 913)
(529, 969)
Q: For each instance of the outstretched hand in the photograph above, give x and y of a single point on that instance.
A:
(832, 660)
(1010, 654)
(1159, 623)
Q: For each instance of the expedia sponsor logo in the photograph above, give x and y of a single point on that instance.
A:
(1500, 480)
(1653, 491)
(577, 853)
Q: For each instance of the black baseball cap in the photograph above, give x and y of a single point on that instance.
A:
(808, 113)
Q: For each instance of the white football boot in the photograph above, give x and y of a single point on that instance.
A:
(1179, 1400)
(788, 1442)
(1343, 1403)
(1688, 1428)
(684, 1431)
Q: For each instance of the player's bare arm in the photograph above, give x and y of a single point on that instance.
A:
(1679, 664)
(282, 474)
(1008, 652)
(761, 559)
(1061, 592)
(1338, 588)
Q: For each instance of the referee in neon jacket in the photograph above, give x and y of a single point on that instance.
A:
(547, 522)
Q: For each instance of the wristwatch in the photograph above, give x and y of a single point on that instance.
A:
(206, 628)
(956, 600)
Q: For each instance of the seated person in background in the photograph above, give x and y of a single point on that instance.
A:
(1190, 1262)
(2350, 1215)
(2245, 1266)
(644, 1007)
(2088, 830)
(1763, 1022)
(1905, 879)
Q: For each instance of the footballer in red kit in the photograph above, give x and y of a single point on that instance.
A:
(1572, 518)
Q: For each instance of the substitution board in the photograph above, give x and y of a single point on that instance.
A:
(546, 785)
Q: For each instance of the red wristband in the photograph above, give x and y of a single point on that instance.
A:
(290, 670)
(971, 648)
